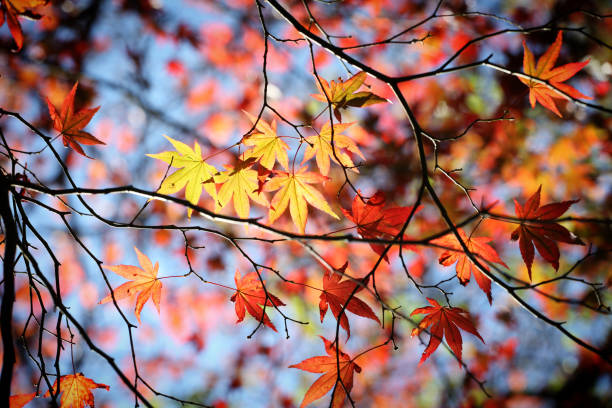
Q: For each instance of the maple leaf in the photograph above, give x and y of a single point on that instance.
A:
(342, 94)
(251, 297)
(76, 391)
(20, 400)
(375, 222)
(465, 267)
(70, 124)
(267, 145)
(445, 322)
(321, 146)
(241, 183)
(295, 191)
(335, 295)
(536, 228)
(193, 172)
(544, 70)
(13, 8)
(329, 365)
(142, 281)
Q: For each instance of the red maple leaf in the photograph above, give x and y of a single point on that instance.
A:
(465, 267)
(250, 296)
(544, 70)
(70, 124)
(14, 8)
(445, 322)
(536, 228)
(335, 295)
(375, 222)
(329, 365)
(20, 400)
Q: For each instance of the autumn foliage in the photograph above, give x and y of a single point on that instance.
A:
(297, 171)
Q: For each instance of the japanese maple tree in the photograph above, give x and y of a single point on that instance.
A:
(289, 171)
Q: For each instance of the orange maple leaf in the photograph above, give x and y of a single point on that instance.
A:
(342, 94)
(76, 391)
(20, 400)
(335, 295)
(536, 228)
(444, 322)
(544, 70)
(329, 365)
(14, 8)
(465, 267)
(251, 297)
(142, 281)
(70, 124)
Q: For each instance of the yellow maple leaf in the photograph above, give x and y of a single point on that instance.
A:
(267, 145)
(342, 94)
(239, 182)
(321, 146)
(193, 172)
(295, 191)
(76, 391)
(142, 281)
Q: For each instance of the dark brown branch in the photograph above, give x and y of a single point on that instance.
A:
(8, 297)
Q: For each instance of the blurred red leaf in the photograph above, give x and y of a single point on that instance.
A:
(13, 8)
(18, 401)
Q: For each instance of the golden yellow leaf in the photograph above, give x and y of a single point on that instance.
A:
(193, 172)
(295, 191)
(267, 145)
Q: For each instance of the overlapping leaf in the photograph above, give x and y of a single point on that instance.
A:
(11, 9)
(295, 191)
(76, 391)
(343, 94)
(445, 322)
(239, 182)
(20, 400)
(142, 281)
(555, 76)
(329, 366)
(320, 146)
(250, 296)
(268, 147)
(335, 295)
(194, 172)
(70, 124)
(374, 221)
(538, 228)
(465, 267)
